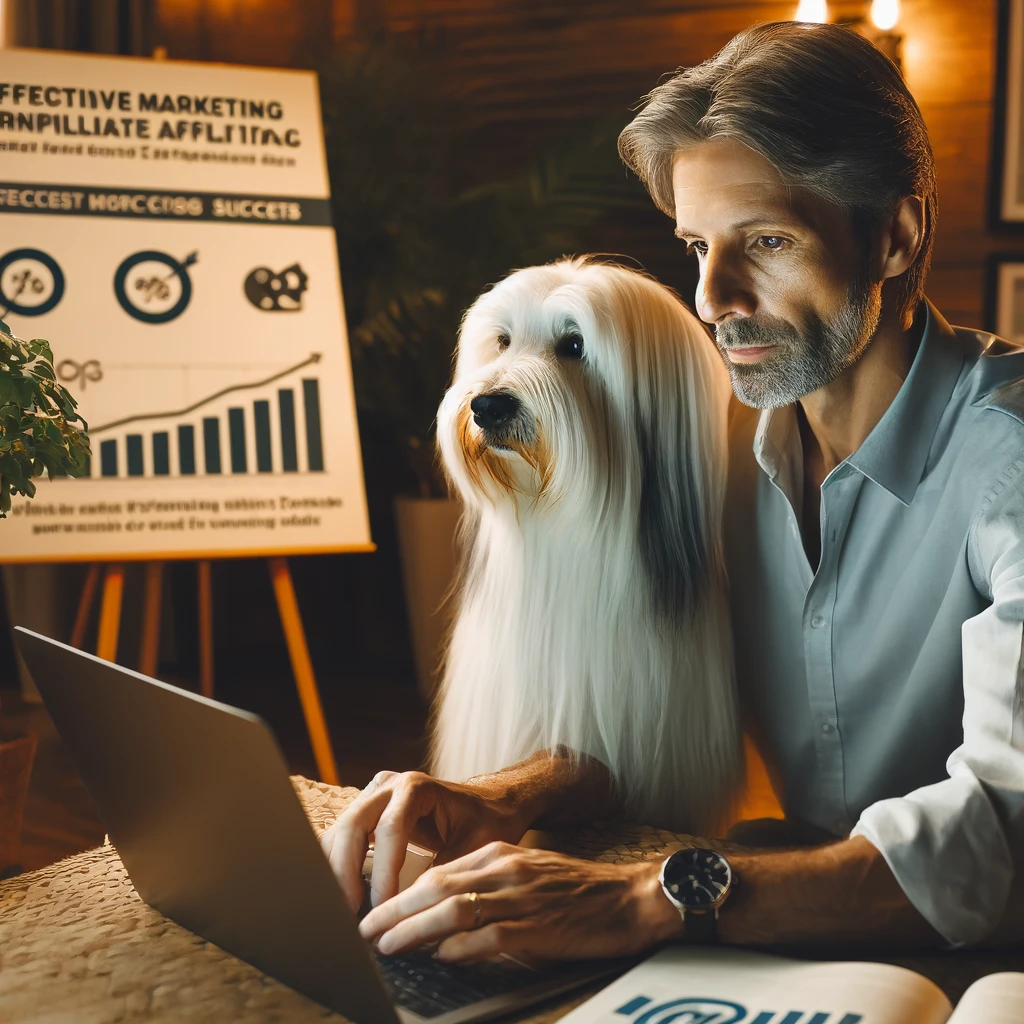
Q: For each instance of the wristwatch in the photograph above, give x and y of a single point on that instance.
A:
(697, 883)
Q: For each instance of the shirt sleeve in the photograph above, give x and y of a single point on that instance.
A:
(953, 845)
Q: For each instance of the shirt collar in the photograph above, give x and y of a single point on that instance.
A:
(894, 454)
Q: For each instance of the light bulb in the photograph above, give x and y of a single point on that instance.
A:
(812, 10)
(885, 14)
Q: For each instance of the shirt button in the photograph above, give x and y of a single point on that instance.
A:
(826, 727)
(818, 621)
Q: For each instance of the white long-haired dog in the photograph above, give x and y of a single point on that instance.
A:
(586, 434)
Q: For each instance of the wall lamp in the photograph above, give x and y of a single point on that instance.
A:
(878, 25)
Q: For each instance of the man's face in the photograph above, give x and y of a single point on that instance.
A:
(784, 282)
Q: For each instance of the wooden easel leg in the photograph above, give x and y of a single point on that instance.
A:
(302, 667)
(110, 612)
(205, 602)
(85, 606)
(149, 648)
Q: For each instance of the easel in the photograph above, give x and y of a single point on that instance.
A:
(291, 622)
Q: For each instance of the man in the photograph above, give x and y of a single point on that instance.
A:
(876, 553)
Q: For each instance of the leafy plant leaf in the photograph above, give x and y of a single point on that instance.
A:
(40, 428)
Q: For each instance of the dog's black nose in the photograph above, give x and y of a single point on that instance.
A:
(494, 410)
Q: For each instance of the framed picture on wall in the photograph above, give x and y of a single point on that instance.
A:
(1004, 300)
(1008, 136)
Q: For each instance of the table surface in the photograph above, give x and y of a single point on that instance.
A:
(78, 945)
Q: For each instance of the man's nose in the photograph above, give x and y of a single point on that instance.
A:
(494, 410)
(723, 291)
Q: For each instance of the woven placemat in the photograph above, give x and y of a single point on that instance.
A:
(78, 945)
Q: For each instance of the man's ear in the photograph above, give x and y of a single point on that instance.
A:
(904, 238)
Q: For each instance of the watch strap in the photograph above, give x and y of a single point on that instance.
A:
(700, 926)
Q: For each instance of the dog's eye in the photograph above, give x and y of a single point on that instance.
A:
(504, 341)
(570, 346)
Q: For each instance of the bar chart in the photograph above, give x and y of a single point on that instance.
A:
(248, 428)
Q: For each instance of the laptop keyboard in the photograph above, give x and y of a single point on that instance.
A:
(425, 985)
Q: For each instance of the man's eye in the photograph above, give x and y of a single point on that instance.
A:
(504, 341)
(570, 346)
(771, 242)
(697, 248)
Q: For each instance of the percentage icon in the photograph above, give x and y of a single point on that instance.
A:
(153, 288)
(27, 281)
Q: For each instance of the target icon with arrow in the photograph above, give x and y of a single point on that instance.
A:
(154, 287)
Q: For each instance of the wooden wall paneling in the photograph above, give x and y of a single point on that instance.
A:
(579, 67)
(519, 72)
(268, 33)
(951, 69)
(515, 14)
(949, 49)
(958, 290)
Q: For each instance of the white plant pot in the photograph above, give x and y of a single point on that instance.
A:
(426, 541)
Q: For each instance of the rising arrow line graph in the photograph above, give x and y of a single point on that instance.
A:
(313, 358)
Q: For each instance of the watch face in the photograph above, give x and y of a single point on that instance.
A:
(696, 878)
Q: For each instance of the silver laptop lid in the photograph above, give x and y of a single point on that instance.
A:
(196, 799)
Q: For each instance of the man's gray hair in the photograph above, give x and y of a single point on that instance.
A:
(822, 104)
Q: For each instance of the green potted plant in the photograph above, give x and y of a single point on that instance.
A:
(38, 418)
(417, 244)
(40, 431)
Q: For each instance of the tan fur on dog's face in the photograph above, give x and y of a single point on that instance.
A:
(481, 458)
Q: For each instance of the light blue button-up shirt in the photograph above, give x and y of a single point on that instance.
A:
(885, 688)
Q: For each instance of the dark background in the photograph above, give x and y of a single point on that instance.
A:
(479, 91)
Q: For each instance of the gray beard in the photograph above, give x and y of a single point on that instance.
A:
(804, 360)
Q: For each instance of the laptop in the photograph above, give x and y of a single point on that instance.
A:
(196, 798)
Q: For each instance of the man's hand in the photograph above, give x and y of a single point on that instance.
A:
(533, 905)
(551, 787)
(396, 810)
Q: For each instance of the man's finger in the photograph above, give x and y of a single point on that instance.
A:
(410, 800)
(431, 888)
(476, 858)
(327, 840)
(350, 841)
(454, 914)
(490, 941)
(377, 781)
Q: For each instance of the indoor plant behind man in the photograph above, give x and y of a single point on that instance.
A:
(876, 555)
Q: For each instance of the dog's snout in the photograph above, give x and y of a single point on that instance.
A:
(494, 410)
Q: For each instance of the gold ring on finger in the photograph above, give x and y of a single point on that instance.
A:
(474, 898)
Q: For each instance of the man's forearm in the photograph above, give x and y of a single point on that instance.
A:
(553, 789)
(843, 892)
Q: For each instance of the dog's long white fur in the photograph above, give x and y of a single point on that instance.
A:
(591, 609)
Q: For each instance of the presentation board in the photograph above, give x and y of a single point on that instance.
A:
(166, 226)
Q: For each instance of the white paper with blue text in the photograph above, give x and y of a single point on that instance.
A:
(685, 985)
